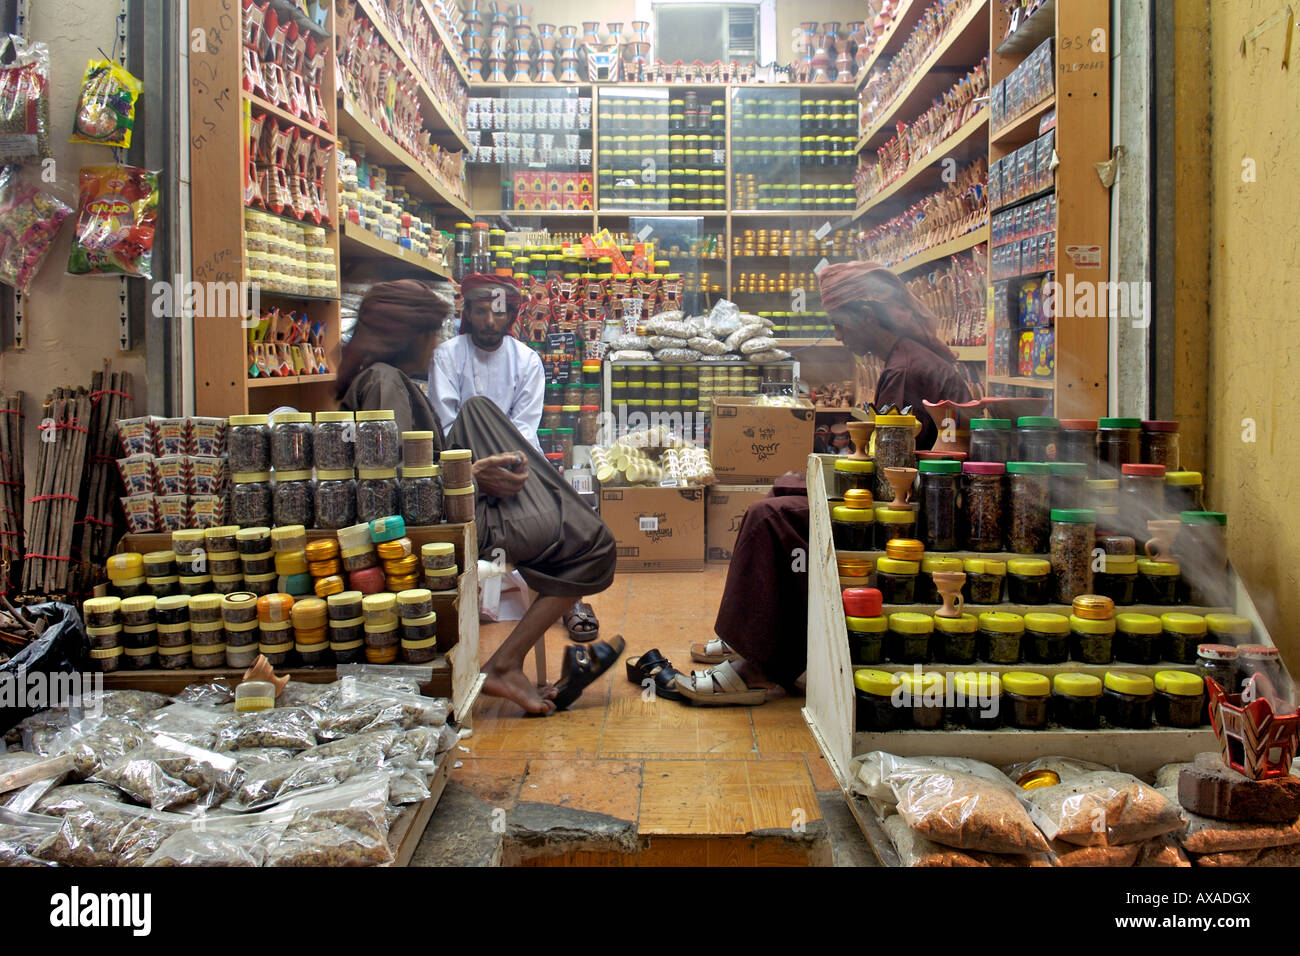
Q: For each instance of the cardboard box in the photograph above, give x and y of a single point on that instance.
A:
(657, 529)
(724, 507)
(752, 443)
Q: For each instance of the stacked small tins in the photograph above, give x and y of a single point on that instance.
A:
(258, 561)
(160, 575)
(419, 625)
(346, 624)
(401, 565)
(440, 571)
(193, 568)
(309, 632)
(380, 614)
(360, 560)
(104, 627)
(126, 575)
(239, 618)
(140, 631)
(290, 546)
(221, 558)
(324, 566)
(275, 627)
(457, 485)
(173, 616)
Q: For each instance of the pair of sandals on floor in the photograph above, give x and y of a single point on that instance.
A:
(587, 658)
(719, 685)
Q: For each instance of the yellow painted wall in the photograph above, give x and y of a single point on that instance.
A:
(1254, 327)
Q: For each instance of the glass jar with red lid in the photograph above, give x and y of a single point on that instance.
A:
(1141, 498)
(1160, 444)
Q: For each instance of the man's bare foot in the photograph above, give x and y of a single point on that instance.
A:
(548, 691)
(513, 685)
(755, 678)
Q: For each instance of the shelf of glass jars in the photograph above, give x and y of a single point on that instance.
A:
(660, 213)
(442, 125)
(831, 215)
(285, 116)
(1050, 670)
(1033, 31)
(1024, 127)
(382, 148)
(965, 44)
(273, 293)
(906, 17)
(360, 243)
(943, 250)
(536, 213)
(964, 145)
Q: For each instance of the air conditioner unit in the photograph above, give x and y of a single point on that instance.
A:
(706, 32)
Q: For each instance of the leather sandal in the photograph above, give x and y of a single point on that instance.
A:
(713, 651)
(582, 665)
(720, 686)
(581, 623)
(654, 666)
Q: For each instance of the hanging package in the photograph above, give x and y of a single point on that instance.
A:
(24, 102)
(29, 221)
(106, 110)
(116, 218)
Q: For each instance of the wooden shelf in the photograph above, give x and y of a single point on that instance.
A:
(971, 353)
(282, 114)
(1031, 33)
(383, 149)
(829, 215)
(827, 342)
(437, 115)
(540, 213)
(450, 44)
(1021, 381)
(479, 86)
(1021, 201)
(969, 141)
(296, 296)
(964, 46)
(662, 213)
(285, 381)
(1024, 127)
(900, 28)
(943, 250)
(360, 243)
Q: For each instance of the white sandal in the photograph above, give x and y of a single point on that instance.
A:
(713, 651)
(719, 686)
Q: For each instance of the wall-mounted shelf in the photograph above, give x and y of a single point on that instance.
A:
(906, 17)
(361, 244)
(943, 250)
(964, 145)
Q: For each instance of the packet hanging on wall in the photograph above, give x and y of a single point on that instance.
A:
(106, 110)
(24, 102)
(117, 214)
(29, 222)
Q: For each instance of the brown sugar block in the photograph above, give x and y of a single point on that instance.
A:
(1212, 789)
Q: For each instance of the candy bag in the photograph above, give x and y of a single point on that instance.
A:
(106, 111)
(24, 102)
(29, 221)
(116, 218)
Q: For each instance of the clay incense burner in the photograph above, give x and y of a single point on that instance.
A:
(949, 585)
(860, 433)
(900, 479)
(1161, 546)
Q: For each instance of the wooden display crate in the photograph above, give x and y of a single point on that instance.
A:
(456, 673)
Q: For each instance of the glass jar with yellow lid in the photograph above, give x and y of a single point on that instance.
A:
(1118, 578)
(1029, 581)
(893, 523)
(1026, 696)
(852, 473)
(1076, 701)
(976, 699)
(851, 522)
(984, 579)
(876, 709)
(1228, 629)
(856, 572)
(896, 580)
(1180, 699)
(908, 638)
(1091, 642)
(1000, 636)
(920, 697)
(1047, 638)
(1137, 639)
(1128, 700)
(1158, 581)
(926, 592)
(955, 639)
(894, 438)
(1181, 633)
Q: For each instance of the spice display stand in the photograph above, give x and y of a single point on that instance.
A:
(456, 673)
(830, 704)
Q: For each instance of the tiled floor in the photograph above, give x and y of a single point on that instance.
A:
(698, 782)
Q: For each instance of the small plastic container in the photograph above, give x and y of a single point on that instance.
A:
(395, 550)
(227, 583)
(293, 499)
(1180, 699)
(358, 559)
(457, 467)
(334, 444)
(925, 591)
(205, 609)
(1228, 629)
(1001, 635)
(1029, 581)
(275, 608)
(891, 523)
(239, 608)
(187, 544)
(253, 541)
(382, 642)
(354, 536)
(1137, 639)
(955, 639)
(1092, 642)
(977, 699)
(896, 580)
(369, 581)
(442, 579)
(417, 449)
(248, 443)
(250, 499)
(344, 606)
(984, 504)
(331, 584)
(415, 603)
(106, 660)
(263, 563)
(876, 708)
(1158, 582)
(292, 442)
(379, 443)
(421, 495)
(103, 612)
(1047, 638)
(1029, 522)
(990, 440)
(1184, 491)
(195, 584)
(160, 564)
(290, 563)
(225, 562)
(241, 655)
(141, 646)
(1128, 700)
(940, 493)
(315, 654)
(908, 638)
(420, 650)
(254, 695)
(438, 555)
(222, 538)
(852, 522)
(388, 528)
(984, 580)
(852, 474)
(1076, 701)
(1026, 696)
(172, 610)
(921, 700)
(1119, 579)
(336, 500)
(458, 503)
(110, 635)
(895, 442)
(261, 584)
(163, 587)
(379, 608)
(207, 644)
(1036, 437)
(408, 566)
(1181, 635)
(276, 642)
(378, 493)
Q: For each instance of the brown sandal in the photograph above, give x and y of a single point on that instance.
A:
(581, 623)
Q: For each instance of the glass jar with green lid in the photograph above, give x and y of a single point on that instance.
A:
(1029, 522)
(926, 592)
(976, 698)
(851, 522)
(1092, 642)
(1072, 540)
(938, 500)
(1181, 635)
(893, 523)
(1184, 491)
(1158, 581)
(1128, 700)
(1076, 701)
(1137, 639)
(1029, 581)
(1000, 636)
(1118, 579)
(1228, 629)
(897, 580)
(920, 696)
(1119, 443)
(1026, 695)
(876, 708)
(1036, 437)
(853, 473)
(908, 638)
(1180, 698)
(984, 580)
(955, 639)
(1047, 638)
(1202, 548)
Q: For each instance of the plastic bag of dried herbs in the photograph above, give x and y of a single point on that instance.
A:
(106, 110)
(29, 223)
(117, 215)
(24, 102)
(966, 811)
(21, 834)
(109, 834)
(1103, 808)
(166, 773)
(293, 728)
(345, 825)
(231, 841)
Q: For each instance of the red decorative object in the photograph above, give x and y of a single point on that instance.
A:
(1253, 740)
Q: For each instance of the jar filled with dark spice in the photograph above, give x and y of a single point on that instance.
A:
(379, 442)
(876, 709)
(421, 495)
(275, 642)
(250, 499)
(347, 640)
(1047, 638)
(1036, 438)
(925, 591)
(866, 638)
(977, 699)
(1073, 536)
(908, 638)
(1119, 443)
(291, 442)
(1128, 700)
(1218, 661)
(1027, 695)
(990, 440)
(853, 474)
(896, 580)
(336, 500)
(1118, 579)
(892, 523)
(1160, 444)
(173, 609)
(378, 493)
(1137, 639)
(1180, 699)
(852, 522)
(895, 438)
(335, 441)
(1157, 582)
(1077, 442)
(1066, 484)
(1091, 642)
(955, 639)
(921, 698)
(1076, 701)
(420, 639)
(457, 503)
(294, 499)
(141, 646)
(1184, 491)
(1001, 634)
(1029, 581)
(253, 541)
(939, 504)
(457, 468)
(1182, 634)
(984, 580)
(103, 611)
(983, 501)
(417, 449)
(248, 444)
(1030, 522)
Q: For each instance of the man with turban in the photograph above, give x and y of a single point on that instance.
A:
(523, 507)
(762, 622)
